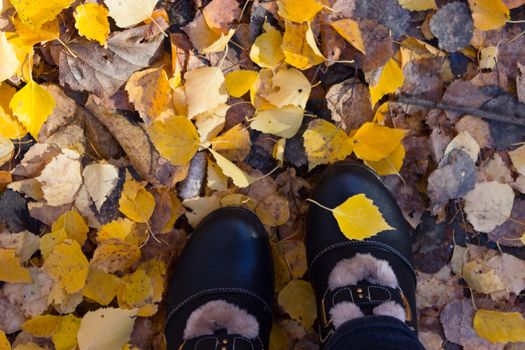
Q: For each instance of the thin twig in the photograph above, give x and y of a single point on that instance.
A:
(462, 109)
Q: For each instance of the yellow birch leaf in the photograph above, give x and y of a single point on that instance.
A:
(391, 164)
(200, 207)
(73, 224)
(418, 5)
(489, 14)
(121, 229)
(65, 336)
(106, 329)
(4, 343)
(136, 291)
(234, 144)
(266, 51)
(7, 149)
(413, 49)
(522, 239)
(35, 13)
(28, 36)
(373, 142)
(215, 179)
(156, 270)
(210, 124)
(41, 326)
(299, 46)
(325, 143)
(8, 57)
(176, 139)
(282, 122)
(9, 126)
(489, 57)
(114, 255)
(91, 21)
(379, 116)
(304, 311)
(130, 12)
(239, 82)
(68, 266)
(500, 327)
(205, 81)
(390, 79)
(49, 241)
(101, 286)
(358, 218)
(278, 150)
(220, 44)
(136, 202)
(32, 105)
(350, 31)
(239, 177)
(149, 91)
(278, 339)
(299, 11)
(289, 87)
(10, 269)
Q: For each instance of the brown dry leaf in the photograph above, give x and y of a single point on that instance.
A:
(114, 255)
(294, 255)
(349, 102)
(219, 14)
(168, 209)
(104, 71)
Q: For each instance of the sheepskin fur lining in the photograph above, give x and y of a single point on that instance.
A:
(362, 267)
(219, 314)
(343, 312)
(391, 308)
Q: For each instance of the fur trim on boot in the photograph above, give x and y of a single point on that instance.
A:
(390, 308)
(359, 268)
(343, 312)
(219, 314)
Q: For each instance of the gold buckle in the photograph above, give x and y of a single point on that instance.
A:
(406, 304)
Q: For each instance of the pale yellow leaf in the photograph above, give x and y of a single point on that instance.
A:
(10, 62)
(9, 125)
(220, 44)
(130, 12)
(489, 57)
(500, 327)
(239, 177)
(289, 87)
(6, 150)
(266, 51)
(199, 207)
(282, 122)
(106, 329)
(209, 124)
(350, 31)
(206, 81)
(239, 82)
(175, 138)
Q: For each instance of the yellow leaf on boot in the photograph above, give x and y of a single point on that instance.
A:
(418, 5)
(150, 92)
(289, 87)
(35, 13)
(373, 142)
(65, 336)
(391, 164)
(358, 218)
(489, 14)
(175, 138)
(325, 143)
(304, 311)
(350, 31)
(239, 177)
(299, 46)
(266, 51)
(10, 269)
(9, 125)
(136, 202)
(41, 326)
(68, 266)
(32, 105)
(299, 11)
(106, 329)
(500, 327)
(130, 12)
(206, 81)
(282, 122)
(91, 21)
(239, 82)
(73, 224)
(10, 62)
(101, 287)
(390, 79)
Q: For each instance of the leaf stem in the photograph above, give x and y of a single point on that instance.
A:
(319, 204)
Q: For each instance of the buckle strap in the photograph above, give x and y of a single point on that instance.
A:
(365, 295)
(222, 341)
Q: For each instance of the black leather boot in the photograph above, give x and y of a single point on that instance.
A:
(221, 290)
(389, 251)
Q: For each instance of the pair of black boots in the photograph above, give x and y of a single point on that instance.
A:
(222, 288)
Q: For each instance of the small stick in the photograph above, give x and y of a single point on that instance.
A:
(462, 109)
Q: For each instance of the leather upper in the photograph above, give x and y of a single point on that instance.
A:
(326, 245)
(227, 257)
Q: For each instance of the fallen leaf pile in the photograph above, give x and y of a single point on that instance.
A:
(124, 123)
